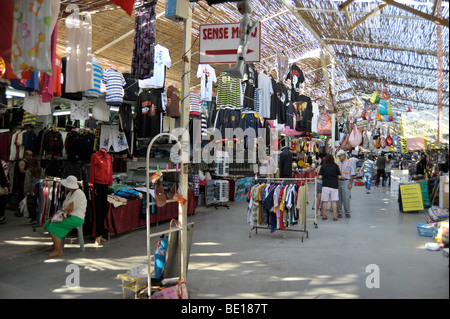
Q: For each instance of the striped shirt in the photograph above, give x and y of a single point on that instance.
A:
(114, 82)
(97, 78)
(195, 104)
(228, 91)
(347, 170)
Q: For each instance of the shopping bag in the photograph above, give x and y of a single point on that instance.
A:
(23, 207)
(160, 256)
(58, 217)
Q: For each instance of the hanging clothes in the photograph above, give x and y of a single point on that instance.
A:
(228, 91)
(162, 61)
(114, 82)
(97, 75)
(79, 54)
(142, 64)
(31, 37)
(207, 77)
(250, 80)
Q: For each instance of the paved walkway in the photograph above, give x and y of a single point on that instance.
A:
(336, 261)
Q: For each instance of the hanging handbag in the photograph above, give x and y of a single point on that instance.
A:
(383, 142)
(389, 140)
(377, 143)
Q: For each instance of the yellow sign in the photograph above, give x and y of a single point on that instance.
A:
(411, 197)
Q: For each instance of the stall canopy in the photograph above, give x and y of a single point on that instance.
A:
(396, 45)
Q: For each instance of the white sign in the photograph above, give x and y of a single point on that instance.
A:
(219, 43)
(423, 123)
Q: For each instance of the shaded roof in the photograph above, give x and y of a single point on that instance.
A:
(396, 47)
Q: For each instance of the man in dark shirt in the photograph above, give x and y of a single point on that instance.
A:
(381, 168)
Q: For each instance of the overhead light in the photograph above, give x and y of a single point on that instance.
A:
(60, 113)
(13, 92)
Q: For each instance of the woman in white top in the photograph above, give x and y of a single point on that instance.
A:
(75, 208)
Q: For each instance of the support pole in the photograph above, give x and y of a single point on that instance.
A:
(438, 8)
(185, 91)
(333, 132)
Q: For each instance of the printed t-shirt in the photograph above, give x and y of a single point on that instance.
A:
(148, 110)
(162, 61)
(296, 77)
(207, 76)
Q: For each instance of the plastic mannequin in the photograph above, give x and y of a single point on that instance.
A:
(247, 27)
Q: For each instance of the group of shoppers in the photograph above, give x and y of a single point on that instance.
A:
(335, 180)
(335, 184)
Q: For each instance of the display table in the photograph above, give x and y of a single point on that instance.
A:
(127, 217)
(124, 218)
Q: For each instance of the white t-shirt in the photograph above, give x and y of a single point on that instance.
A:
(162, 61)
(208, 76)
(265, 92)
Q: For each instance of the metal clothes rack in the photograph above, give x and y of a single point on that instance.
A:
(277, 180)
(183, 223)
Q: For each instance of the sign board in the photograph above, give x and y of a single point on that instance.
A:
(219, 43)
(411, 197)
(423, 123)
(398, 177)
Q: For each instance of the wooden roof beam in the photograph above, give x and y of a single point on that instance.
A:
(382, 46)
(426, 16)
(368, 16)
(352, 78)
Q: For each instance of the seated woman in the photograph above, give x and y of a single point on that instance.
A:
(75, 207)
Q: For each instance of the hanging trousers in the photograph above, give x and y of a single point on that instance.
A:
(100, 201)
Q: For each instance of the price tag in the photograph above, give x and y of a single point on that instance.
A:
(180, 199)
(155, 177)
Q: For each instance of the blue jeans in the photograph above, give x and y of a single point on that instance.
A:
(368, 178)
(344, 197)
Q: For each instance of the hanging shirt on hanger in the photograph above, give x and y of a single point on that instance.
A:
(265, 92)
(295, 76)
(251, 83)
(97, 79)
(148, 114)
(228, 91)
(207, 76)
(162, 61)
(114, 86)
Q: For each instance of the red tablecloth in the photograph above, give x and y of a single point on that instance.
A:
(127, 217)
(124, 218)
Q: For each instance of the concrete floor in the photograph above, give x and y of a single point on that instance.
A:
(226, 263)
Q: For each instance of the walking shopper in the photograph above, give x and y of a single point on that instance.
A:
(368, 169)
(318, 191)
(387, 171)
(75, 208)
(345, 183)
(381, 167)
(329, 174)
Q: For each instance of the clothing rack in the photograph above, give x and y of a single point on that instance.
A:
(304, 231)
